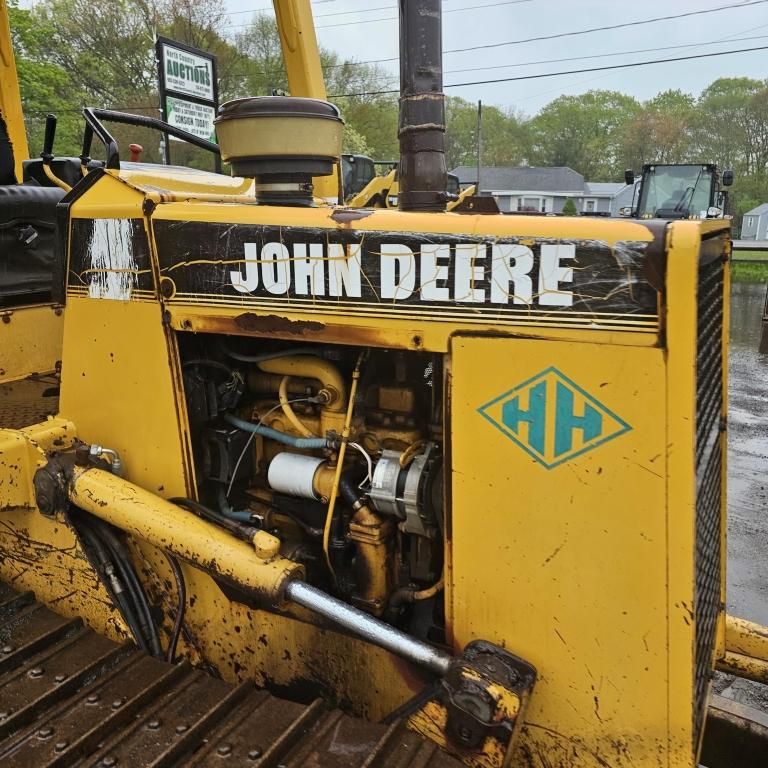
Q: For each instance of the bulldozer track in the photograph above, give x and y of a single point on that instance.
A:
(69, 696)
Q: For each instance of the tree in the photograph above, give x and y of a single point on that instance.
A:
(584, 133)
(504, 139)
(45, 85)
(660, 131)
(569, 208)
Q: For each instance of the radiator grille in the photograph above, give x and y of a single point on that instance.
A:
(709, 402)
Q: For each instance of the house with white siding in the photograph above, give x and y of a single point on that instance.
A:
(754, 225)
(541, 190)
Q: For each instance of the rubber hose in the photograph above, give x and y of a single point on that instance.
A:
(181, 589)
(135, 588)
(238, 530)
(123, 606)
(226, 509)
(270, 355)
(273, 434)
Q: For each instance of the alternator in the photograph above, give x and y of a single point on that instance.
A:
(413, 493)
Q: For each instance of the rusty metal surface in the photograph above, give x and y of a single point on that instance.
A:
(69, 696)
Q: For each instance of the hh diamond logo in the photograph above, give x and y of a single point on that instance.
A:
(552, 418)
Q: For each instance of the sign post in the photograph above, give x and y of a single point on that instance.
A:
(189, 90)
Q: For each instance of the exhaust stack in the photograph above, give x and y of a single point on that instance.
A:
(422, 175)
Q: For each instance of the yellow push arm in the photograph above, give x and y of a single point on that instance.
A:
(10, 97)
(302, 65)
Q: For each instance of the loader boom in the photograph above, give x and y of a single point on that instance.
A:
(10, 98)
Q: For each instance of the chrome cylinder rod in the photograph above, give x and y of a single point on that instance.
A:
(368, 628)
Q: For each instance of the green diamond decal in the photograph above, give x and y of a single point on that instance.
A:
(552, 418)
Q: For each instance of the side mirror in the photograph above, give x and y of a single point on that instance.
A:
(727, 178)
(625, 210)
(629, 176)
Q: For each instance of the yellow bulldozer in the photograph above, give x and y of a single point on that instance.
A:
(296, 484)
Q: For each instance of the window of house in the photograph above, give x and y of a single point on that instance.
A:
(748, 221)
(532, 204)
(590, 206)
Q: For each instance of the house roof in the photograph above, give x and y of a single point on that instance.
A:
(558, 179)
(759, 211)
(603, 188)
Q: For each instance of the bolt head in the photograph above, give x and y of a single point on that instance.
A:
(109, 761)
(59, 678)
(61, 746)
(254, 754)
(224, 750)
(92, 699)
(6, 649)
(181, 727)
(36, 672)
(117, 703)
(45, 733)
(153, 725)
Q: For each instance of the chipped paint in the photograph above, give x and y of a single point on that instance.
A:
(112, 260)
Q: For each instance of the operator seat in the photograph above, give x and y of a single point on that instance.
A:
(27, 234)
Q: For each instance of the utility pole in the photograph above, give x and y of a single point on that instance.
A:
(479, 142)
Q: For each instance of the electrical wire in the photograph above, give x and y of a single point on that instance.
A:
(370, 10)
(181, 590)
(568, 72)
(569, 34)
(602, 55)
(368, 460)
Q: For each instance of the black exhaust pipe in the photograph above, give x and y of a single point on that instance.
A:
(422, 175)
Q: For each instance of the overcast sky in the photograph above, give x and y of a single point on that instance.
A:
(356, 30)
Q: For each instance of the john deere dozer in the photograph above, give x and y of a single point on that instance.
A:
(314, 485)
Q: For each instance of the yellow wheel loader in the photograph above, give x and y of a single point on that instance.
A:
(333, 486)
(364, 188)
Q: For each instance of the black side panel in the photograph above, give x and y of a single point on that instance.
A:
(27, 242)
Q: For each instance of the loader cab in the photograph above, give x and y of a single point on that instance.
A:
(676, 191)
(357, 173)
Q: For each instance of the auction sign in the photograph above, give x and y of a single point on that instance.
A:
(189, 91)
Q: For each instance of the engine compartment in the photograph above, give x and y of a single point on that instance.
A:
(335, 450)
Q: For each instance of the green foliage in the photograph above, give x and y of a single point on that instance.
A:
(569, 208)
(583, 132)
(354, 142)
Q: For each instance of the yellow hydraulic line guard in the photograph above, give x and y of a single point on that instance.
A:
(302, 66)
(10, 96)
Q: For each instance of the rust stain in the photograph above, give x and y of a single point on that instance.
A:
(249, 321)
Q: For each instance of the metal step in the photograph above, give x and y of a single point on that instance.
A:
(70, 697)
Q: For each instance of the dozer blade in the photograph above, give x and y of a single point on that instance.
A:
(68, 695)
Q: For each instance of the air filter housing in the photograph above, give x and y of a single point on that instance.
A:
(281, 141)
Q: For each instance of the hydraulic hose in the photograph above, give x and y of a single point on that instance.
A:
(237, 529)
(226, 509)
(181, 589)
(139, 597)
(114, 584)
(273, 434)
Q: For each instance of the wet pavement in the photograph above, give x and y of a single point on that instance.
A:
(747, 566)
